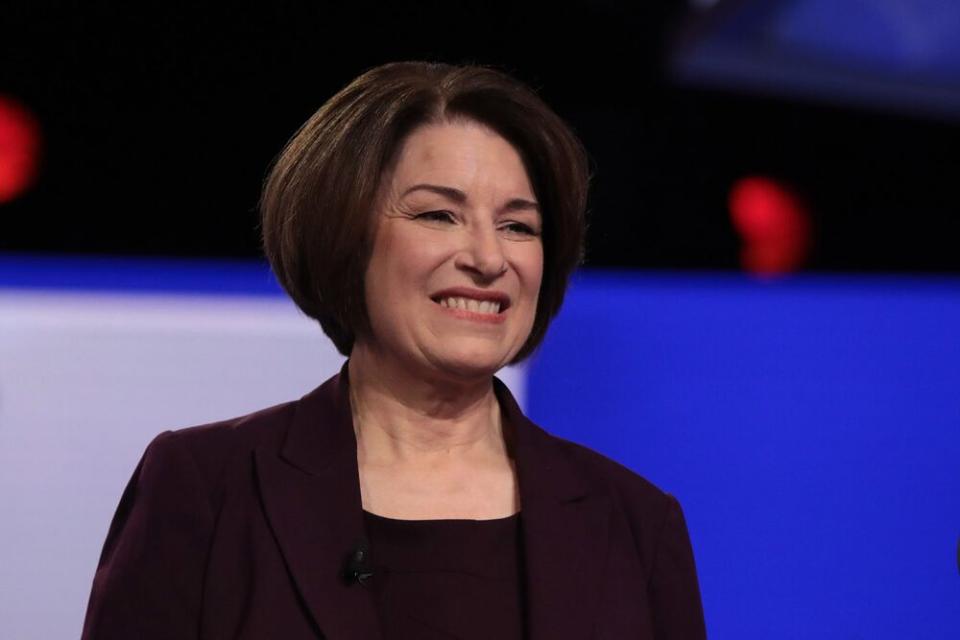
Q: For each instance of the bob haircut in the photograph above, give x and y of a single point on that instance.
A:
(319, 197)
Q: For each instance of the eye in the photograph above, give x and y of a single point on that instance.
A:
(436, 216)
(519, 227)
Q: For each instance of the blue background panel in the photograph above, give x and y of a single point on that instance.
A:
(810, 428)
(137, 275)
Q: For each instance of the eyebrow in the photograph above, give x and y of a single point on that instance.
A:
(450, 193)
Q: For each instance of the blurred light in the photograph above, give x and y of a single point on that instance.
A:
(19, 149)
(878, 54)
(773, 224)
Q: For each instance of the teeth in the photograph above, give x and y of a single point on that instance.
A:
(468, 304)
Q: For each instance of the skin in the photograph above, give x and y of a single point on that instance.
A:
(430, 440)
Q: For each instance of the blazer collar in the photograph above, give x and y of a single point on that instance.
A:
(311, 492)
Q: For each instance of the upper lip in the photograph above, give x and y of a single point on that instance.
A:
(474, 294)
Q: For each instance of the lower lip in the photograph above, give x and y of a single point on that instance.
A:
(463, 314)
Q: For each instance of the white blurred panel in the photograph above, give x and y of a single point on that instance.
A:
(86, 380)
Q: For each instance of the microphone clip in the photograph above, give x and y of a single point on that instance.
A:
(356, 569)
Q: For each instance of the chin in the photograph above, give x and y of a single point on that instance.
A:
(471, 363)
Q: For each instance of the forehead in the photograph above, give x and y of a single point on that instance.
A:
(462, 154)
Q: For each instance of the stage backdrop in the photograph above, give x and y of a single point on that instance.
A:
(810, 427)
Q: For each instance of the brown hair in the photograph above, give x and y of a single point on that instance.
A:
(318, 197)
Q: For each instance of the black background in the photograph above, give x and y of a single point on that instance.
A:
(161, 119)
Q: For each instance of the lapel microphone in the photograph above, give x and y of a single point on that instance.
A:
(356, 570)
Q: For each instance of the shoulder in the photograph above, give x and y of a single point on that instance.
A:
(601, 471)
(171, 507)
(210, 450)
(658, 532)
(647, 508)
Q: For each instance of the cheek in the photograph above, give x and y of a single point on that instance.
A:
(399, 269)
(374, 277)
(530, 267)
(380, 281)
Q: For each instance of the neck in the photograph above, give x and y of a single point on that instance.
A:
(403, 418)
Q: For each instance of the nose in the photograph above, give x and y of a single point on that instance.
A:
(483, 254)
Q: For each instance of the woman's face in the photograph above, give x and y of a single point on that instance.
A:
(457, 256)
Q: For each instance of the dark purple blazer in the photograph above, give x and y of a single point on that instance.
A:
(240, 529)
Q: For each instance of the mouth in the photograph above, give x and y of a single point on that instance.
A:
(473, 306)
(488, 303)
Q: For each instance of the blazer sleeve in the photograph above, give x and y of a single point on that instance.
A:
(148, 583)
(674, 589)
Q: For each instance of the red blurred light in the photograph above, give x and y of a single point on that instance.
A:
(19, 149)
(773, 225)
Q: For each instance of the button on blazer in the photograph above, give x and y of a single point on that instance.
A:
(242, 528)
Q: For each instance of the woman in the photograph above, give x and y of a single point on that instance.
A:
(428, 217)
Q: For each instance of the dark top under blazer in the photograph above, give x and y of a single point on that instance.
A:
(240, 529)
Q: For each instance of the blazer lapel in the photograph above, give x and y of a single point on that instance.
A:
(311, 493)
(565, 531)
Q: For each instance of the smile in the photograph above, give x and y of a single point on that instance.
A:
(477, 306)
(485, 311)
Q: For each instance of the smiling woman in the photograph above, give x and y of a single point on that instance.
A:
(454, 230)
(428, 217)
(322, 201)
